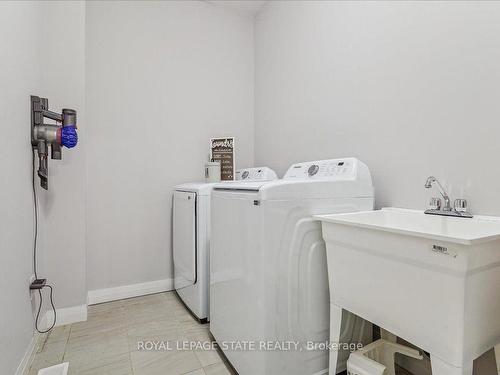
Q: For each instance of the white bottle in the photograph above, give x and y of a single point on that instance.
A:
(212, 171)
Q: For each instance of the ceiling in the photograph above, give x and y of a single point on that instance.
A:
(246, 7)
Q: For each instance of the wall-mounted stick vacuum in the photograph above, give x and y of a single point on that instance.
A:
(43, 136)
(53, 135)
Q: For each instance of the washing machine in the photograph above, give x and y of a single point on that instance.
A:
(269, 296)
(191, 239)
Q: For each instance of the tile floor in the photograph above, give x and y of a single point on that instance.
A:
(107, 343)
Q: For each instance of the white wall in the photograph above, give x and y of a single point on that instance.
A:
(162, 78)
(18, 24)
(411, 88)
(34, 38)
(62, 211)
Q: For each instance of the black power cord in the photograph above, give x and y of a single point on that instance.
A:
(35, 209)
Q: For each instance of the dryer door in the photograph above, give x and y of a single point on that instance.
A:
(184, 239)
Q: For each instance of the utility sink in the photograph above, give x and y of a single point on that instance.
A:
(432, 280)
(415, 223)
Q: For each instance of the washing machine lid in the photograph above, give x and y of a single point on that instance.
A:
(241, 185)
(250, 179)
(200, 188)
(245, 175)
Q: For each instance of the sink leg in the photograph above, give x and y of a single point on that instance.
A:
(440, 367)
(335, 325)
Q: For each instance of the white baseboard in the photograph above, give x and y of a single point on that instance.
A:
(28, 356)
(129, 291)
(65, 315)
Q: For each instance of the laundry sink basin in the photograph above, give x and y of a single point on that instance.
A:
(415, 223)
(432, 280)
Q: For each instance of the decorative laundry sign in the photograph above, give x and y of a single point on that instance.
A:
(222, 150)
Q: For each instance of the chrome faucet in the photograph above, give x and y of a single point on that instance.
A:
(446, 198)
(460, 205)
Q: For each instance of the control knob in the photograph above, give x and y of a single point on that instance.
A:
(313, 169)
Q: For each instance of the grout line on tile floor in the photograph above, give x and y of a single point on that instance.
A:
(129, 351)
(67, 342)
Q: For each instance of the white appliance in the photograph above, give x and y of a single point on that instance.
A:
(191, 237)
(268, 270)
(255, 174)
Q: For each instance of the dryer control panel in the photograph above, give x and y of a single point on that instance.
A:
(323, 169)
(255, 174)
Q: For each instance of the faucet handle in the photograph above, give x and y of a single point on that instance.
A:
(435, 204)
(460, 205)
